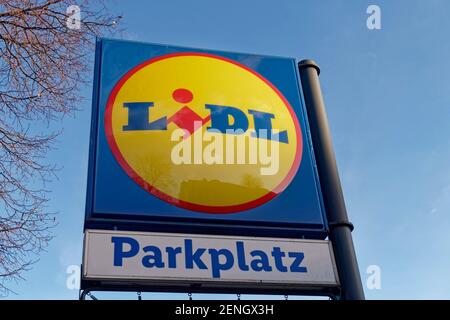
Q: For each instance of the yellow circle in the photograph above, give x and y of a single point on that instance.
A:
(148, 155)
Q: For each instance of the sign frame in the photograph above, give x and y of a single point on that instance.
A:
(192, 225)
(134, 283)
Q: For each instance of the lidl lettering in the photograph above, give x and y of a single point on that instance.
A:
(224, 119)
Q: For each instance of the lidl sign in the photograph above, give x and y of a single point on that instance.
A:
(200, 141)
(202, 97)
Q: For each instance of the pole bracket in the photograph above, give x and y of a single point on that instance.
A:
(335, 224)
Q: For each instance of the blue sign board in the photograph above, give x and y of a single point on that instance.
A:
(200, 141)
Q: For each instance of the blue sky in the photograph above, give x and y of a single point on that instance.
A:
(388, 101)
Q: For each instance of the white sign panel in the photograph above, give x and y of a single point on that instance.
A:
(164, 257)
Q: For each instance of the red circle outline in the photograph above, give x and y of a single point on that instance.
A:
(184, 204)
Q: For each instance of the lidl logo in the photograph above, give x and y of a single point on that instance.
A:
(203, 132)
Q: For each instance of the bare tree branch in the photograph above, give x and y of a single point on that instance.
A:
(43, 64)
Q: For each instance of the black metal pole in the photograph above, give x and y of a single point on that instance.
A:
(83, 294)
(339, 225)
